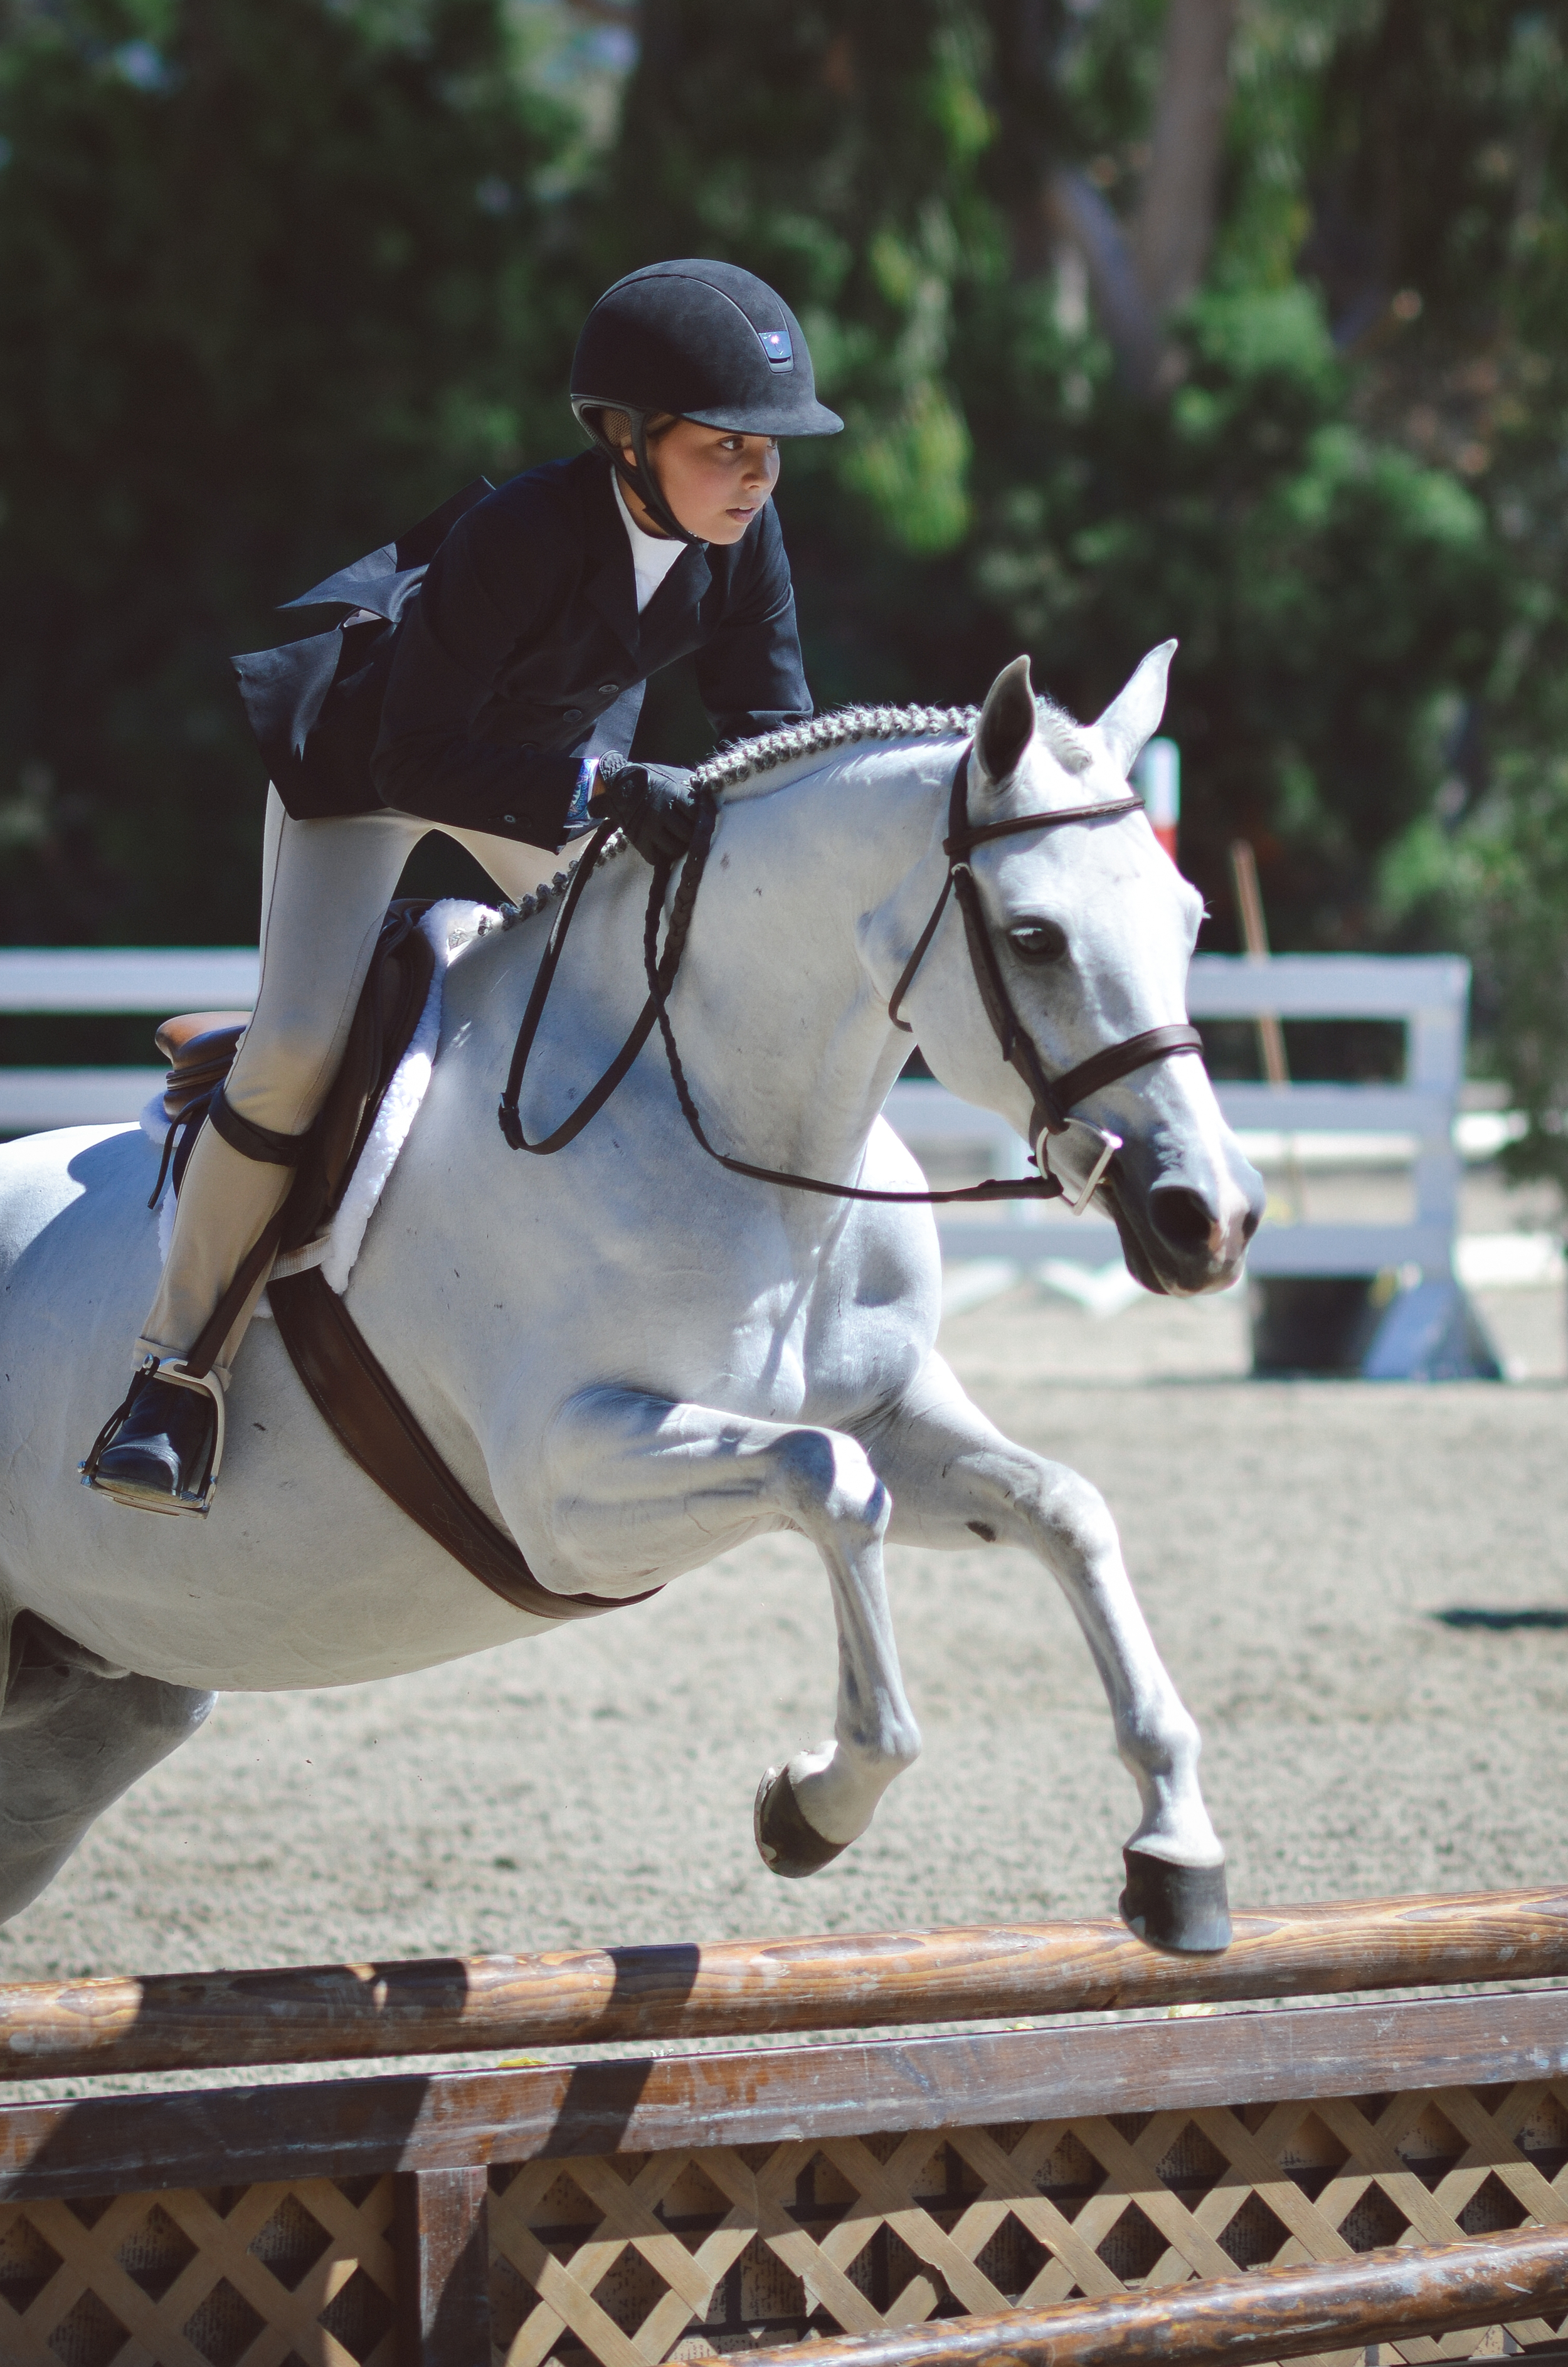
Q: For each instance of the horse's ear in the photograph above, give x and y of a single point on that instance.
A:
(1133, 715)
(1008, 723)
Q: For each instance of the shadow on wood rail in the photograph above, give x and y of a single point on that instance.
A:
(749, 1988)
(1396, 2295)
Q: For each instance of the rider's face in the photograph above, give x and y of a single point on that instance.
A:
(715, 482)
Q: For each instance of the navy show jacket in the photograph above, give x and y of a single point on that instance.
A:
(524, 651)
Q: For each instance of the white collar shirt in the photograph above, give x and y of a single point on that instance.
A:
(652, 555)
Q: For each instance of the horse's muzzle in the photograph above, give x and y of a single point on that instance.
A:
(1186, 1234)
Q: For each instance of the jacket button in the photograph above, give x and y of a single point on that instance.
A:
(608, 689)
(572, 715)
(511, 818)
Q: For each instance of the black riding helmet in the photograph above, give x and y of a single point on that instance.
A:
(706, 341)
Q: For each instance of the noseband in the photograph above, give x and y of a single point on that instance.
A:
(1053, 1099)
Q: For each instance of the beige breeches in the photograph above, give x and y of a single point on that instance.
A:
(326, 888)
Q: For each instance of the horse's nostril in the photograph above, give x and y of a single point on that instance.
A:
(1181, 1215)
(1251, 1222)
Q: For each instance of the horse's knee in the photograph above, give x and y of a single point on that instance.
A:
(1073, 1522)
(829, 1477)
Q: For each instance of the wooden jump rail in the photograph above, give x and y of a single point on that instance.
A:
(317, 2013)
(939, 2194)
(1391, 2295)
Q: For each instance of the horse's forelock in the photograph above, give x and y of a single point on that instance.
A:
(1067, 741)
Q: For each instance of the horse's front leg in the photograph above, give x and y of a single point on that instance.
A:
(954, 1477)
(640, 1488)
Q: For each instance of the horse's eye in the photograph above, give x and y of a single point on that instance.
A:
(1038, 941)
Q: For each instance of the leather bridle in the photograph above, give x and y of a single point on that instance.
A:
(1052, 1099)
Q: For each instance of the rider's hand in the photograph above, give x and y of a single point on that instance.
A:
(654, 804)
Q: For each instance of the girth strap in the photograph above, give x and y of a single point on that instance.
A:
(360, 1404)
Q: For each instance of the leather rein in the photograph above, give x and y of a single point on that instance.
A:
(1052, 1099)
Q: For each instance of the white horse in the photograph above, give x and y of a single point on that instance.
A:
(632, 1358)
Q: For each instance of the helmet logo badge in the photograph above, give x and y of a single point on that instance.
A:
(775, 345)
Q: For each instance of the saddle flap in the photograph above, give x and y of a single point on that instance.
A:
(200, 1047)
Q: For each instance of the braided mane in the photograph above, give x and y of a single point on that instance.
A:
(744, 759)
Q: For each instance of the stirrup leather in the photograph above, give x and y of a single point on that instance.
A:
(198, 1500)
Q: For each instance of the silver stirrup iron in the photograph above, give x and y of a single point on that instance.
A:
(206, 1385)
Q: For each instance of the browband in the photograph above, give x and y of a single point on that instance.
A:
(974, 833)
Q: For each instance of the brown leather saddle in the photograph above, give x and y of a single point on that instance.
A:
(350, 1388)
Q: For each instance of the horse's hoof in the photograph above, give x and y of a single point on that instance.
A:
(1183, 1908)
(786, 1843)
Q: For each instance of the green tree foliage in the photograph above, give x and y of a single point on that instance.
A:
(271, 287)
(273, 279)
(1336, 584)
(1479, 385)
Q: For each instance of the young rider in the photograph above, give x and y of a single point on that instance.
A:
(508, 709)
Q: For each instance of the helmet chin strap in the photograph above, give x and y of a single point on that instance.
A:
(645, 482)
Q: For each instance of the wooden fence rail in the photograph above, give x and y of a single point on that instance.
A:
(1148, 2189)
(733, 1988)
(1391, 2295)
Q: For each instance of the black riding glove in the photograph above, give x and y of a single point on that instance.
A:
(655, 805)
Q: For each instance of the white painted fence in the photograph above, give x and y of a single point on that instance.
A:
(158, 979)
(1427, 994)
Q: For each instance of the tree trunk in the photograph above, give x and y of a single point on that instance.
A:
(1140, 278)
(1176, 219)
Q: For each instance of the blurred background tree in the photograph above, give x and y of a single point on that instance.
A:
(1232, 319)
(274, 280)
